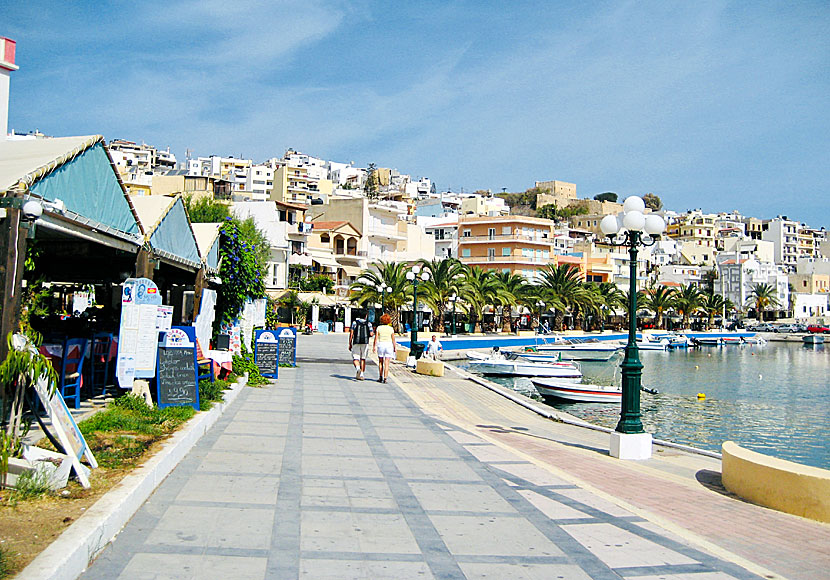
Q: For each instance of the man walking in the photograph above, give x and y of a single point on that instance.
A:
(359, 334)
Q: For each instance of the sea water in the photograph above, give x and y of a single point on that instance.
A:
(773, 398)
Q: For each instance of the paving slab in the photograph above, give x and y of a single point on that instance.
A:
(318, 475)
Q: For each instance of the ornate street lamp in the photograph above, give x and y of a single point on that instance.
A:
(629, 440)
(541, 305)
(415, 275)
(453, 299)
(382, 288)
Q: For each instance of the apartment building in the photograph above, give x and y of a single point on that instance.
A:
(783, 233)
(334, 248)
(300, 178)
(737, 277)
(481, 205)
(260, 180)
(694, 227)
(517, 244)
(444, 230)
(231, 169)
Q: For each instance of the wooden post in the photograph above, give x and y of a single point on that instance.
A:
(144, 266)
(12, 258)
(199, 285)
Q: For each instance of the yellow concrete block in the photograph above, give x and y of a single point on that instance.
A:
(401, 354)
(433, 368)
(783, 485)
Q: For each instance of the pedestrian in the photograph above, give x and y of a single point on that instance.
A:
(359, 334)
(433, 347)
(385, 346)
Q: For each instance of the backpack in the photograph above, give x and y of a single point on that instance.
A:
(361, 331)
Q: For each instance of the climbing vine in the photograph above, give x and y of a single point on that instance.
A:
(243, 251)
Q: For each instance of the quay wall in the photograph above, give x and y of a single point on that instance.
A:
(786, 486)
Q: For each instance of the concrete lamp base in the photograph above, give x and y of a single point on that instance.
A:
(630, 445)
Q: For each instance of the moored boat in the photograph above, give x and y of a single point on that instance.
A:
(812, 339)
(511, 364)
(577, 392)
(587, 350)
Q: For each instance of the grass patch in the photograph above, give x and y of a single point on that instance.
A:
(29, 485)
(5, 564)
(120, 434)
(211, 392)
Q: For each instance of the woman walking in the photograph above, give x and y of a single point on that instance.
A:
(384, 345)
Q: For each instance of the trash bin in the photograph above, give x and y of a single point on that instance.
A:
(417, 349)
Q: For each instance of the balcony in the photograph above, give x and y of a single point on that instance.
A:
(507, 238)
(386, 232)
(506, 260)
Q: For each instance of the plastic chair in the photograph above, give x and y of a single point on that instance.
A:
(74, 350)
(100, 360)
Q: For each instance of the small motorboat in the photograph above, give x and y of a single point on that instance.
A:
(813, 339)
(675, 340)
(755, 340)
(510, 363)
(577, 392)
(587, 350)
(707, 341)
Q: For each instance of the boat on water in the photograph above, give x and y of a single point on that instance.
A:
(577, 392)
(813, 339)
(707, 341)
(511, 364)
(755, 340)
(584, 350)
(531, 354)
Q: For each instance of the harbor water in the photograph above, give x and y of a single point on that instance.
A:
(772, 398)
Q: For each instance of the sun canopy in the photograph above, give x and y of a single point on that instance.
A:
(168, 229)
(207, 240)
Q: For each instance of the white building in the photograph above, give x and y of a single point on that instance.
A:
(444, 230)
(783, 233)
(738, 276)
(807, 306)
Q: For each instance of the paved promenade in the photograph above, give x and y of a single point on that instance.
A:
(321, 476)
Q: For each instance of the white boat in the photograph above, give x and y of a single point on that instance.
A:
(592, 350)
(590, 356)
(813, 339)
(577, 392)
(755, 340)
(707, 340)
(675, 340)
(510, 364)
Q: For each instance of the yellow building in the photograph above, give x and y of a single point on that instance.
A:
(294, 184)
(334, 251)
(810, 283)
(516, 244)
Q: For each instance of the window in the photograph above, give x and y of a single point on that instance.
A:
(506, 230)
(465, 253)
(505, 251)
(325, 238)
(491, 233)
(491, 253)
(466, 233)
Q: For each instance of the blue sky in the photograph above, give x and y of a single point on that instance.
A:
(716, 105)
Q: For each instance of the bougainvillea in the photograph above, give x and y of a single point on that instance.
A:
(243, 251)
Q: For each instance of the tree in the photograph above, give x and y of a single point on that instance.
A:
(366, 290)
(372, 186)
(512, 289)
(688, 300)
(658, 299)
(652, 202)
(444, 281)
(762, 297)
(560, 289)
(612, 299)
(607, 196)
(243, 253)
(713, 304)
(205, 210)
(479, 289)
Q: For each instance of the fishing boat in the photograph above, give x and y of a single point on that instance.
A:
(511, 364)
(812, 339)
(577, 392)
(675, 340)
(585, 350)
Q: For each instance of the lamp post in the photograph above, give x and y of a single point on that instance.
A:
(382, 289)
(453, 299)
(541, 305)
(415, 275)
(629, 440)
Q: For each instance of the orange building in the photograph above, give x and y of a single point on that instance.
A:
(513, 243)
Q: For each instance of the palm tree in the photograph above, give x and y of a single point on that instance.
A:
(513, 287)
(687, 301)
(612, 299)
(561, 285)
(713, 304)
(479, 289)
(763, 296)
(366, 289)
(658, 299)
(444, 281)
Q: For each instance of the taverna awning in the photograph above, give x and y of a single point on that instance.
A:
(168, 230)
(207, 241)
(77, 171)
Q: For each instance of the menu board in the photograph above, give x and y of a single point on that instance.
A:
(176, 378)
(266, 353)
(288, 346)
(138, 333)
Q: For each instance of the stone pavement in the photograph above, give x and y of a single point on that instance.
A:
(321, 476)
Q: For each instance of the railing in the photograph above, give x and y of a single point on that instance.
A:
(505, 259)
(507, 238)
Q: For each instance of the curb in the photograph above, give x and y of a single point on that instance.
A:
(69, 556)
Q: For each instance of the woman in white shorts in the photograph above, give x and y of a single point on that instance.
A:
(384, 345)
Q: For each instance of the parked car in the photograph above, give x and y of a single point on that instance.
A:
(762, 327)
(818, 328)
(785, 328)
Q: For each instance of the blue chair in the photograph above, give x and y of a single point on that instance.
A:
(74, 350)
(100, 360)
(204, 365)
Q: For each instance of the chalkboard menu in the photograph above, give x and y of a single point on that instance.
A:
(288, 346)
(176, 382)
(266, 353)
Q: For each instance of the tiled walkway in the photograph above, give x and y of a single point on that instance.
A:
(322, 476)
